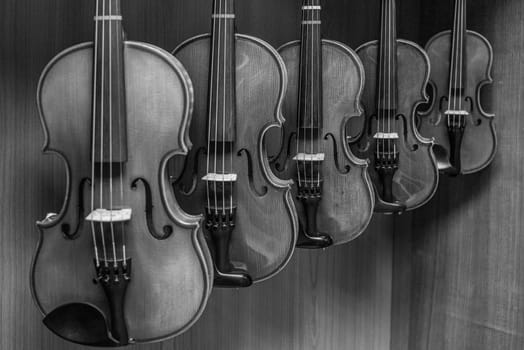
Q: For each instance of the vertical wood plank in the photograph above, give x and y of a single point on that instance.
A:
(457, 271)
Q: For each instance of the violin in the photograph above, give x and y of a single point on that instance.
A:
(404, 171)
(464, 133)
(333, 192)
(250, 219)
(121, 263)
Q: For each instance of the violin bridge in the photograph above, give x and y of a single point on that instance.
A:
(104, 215)
(213, 177)
(304, 157)
(107, 18)
(456, 113)
(386, 136)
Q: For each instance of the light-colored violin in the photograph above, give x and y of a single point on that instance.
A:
(120, 263)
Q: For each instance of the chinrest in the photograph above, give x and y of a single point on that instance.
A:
(237, 277)
(82, 324)
(307, 241)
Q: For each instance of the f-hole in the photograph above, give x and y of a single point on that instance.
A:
(442, 104)
(363, 144)
(370, 124)
(184, 190)
(471, 102)
(168, 229)
(426, 107)
(286, 147)
(66, 228)
(414, 147)
(346, 169)
(264, 189)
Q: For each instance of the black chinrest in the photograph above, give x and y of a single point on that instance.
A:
(237, 277)
(443, 160)
(306, 241)
(82, 324)
(387, 207)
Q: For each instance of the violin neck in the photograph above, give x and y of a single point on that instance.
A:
(222, 87)
(109, 102)
(310, 107)
(387, 84)
(457, 71)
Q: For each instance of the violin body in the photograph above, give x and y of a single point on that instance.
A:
(479, 141)
(171, 274)
(416, 179)
(266, 224)
(347, 201)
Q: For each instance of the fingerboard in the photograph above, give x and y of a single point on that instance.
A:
(310, 103)
(109, 102)
(222, 87)
(387, 84)
(457, 73)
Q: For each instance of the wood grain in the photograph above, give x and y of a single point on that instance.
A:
(457, 271)
(457, 283)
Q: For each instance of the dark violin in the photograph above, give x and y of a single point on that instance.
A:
(404, 169)
(250, 219)
(120, 263)
(464, 133)
(333, 191)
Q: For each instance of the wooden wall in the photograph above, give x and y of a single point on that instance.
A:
(445, 277)
(458, 280)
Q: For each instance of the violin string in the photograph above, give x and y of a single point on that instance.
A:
(383, 64)
(457, 58)
(385, 82)
(93, 139)
(233, 102)
(211, 92)
(307, 106)
(102, 134)
(457, 64)
(319, 84)
(312, 99)
(224, 112)
(217, 105)
(390, 58)
(394, 76)
(393, 80)
(119, 54)
(306, 96)
(452, 85)
(113, 242)
(457, 82)
(380, 75)
(300, 97)
(461, 61)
